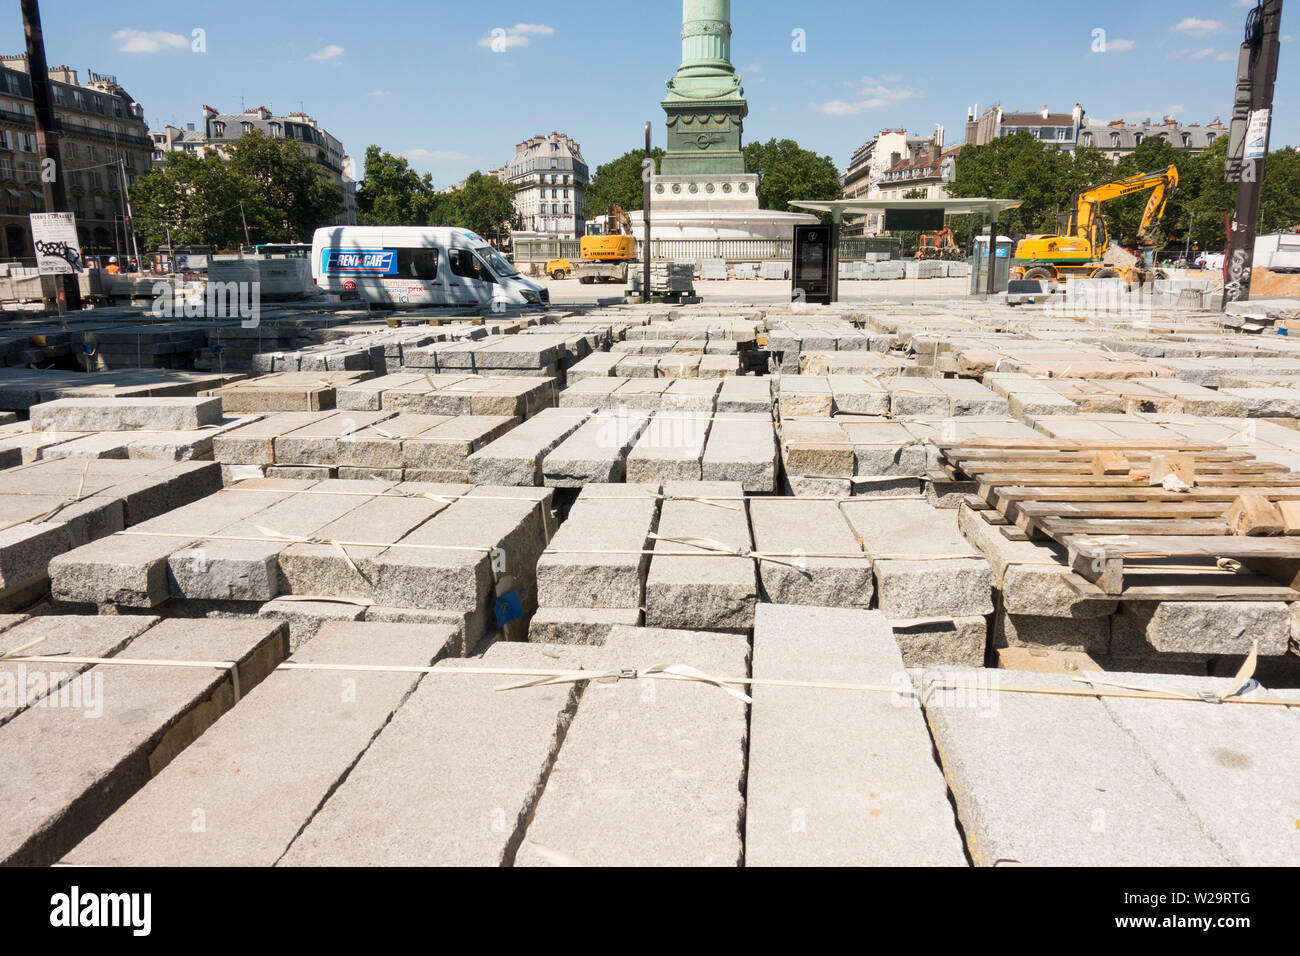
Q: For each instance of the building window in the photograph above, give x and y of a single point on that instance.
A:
(1211, 137)
(246, 127)
(218, 129)
(276, 130)
(29, 143)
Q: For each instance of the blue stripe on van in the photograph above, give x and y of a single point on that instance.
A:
(378, 262)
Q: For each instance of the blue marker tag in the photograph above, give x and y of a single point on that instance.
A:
(1281, 330)
(508, 607)
(218, 349)
(88, 349)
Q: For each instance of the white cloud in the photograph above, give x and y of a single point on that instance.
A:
(380, 93)
(521, 34)
(435, 155)
(1243, 3)
(1119, 45)
(1202, 54)
(873, 93)
(149, 41)
(1196, 27)
(328, 52)
(1226, 56)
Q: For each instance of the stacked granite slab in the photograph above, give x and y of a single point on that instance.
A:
(933, 587)
(411, 447)
(286, 392)
(816, 559)
(701, 575)
(592, 575)
(515, 356)
(448, 394)
(838, 776)
(1045, 779)
(849, 456)
(953, 397)
(599, 807)
(820, 396)
(516, 457)
(51, 507)
(597, 451)
(292, 444)
(255, 791)
(310, 552)
(20, 444)
(97, 734)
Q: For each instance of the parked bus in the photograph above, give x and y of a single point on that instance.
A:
(418, 266)
(283, 251)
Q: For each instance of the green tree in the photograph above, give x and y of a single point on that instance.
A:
(790, 172)
(1279, 200)
(285, 193)
(195, 200)
(484, 205)
(1013, 167)
(393, 194)
(620, 181)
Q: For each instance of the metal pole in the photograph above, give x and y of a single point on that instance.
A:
(247, 242)
(133, 247)
(1263, 46)
(993, 255)
(649, 181)
(47, 138)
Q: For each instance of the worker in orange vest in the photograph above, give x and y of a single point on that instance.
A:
(113, 267)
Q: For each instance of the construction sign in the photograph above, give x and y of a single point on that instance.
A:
(58, 250)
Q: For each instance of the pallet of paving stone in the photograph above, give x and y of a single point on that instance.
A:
(280, 548)
(450, 393)
(1127, 538)
(50, 507)
(286, 392)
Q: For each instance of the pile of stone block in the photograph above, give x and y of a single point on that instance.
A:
(388, 445)
(451, 393)
(286, 392)
(50, 507)
(313, 551)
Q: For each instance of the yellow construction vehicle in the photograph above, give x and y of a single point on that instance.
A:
(1082, 246)
(605, 253)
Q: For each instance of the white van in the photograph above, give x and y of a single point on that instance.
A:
(418, 266)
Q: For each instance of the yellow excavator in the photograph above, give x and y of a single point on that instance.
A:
(605, 254)
(1082, 246)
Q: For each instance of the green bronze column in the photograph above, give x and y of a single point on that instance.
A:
(705, 103)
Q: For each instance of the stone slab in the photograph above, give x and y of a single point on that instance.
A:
(840, 778)
(600, 807)
(252, 792)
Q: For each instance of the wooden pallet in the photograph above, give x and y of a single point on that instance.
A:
(1124, 539)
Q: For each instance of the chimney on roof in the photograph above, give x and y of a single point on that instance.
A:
(1046, 111)
(190, 127)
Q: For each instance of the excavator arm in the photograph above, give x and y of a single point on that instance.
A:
(1086, 217)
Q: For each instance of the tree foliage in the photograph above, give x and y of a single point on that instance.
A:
(790, 172)
(285, 196)
(394, 194)
(1022, 167)
(620, 181)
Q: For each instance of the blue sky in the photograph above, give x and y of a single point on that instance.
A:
(419, 77)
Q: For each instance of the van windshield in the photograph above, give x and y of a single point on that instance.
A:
(498, 263)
